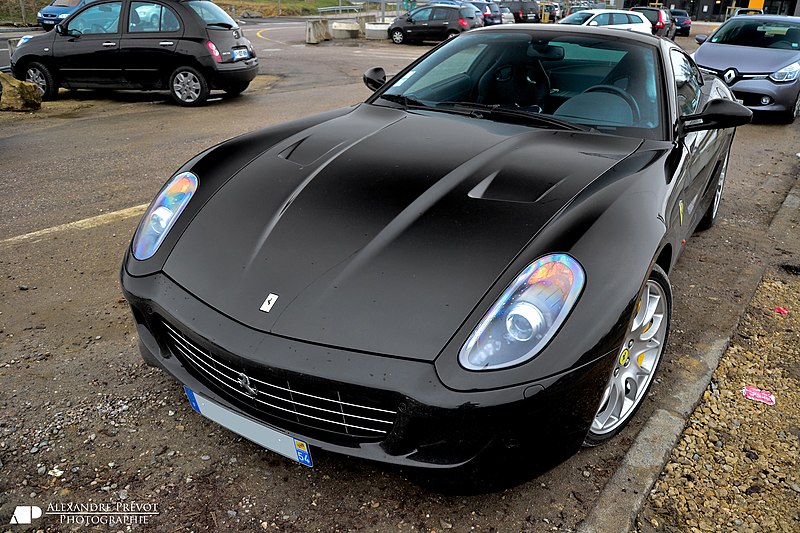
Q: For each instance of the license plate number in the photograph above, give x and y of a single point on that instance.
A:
(241, 53)
(271, 439)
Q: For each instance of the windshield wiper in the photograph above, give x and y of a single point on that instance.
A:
(497, 111)
(225, 25)
(405, 101)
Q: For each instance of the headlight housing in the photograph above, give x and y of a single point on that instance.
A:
(162, 214)
(789, 73)
(528, 314)
(62, 16)
(39, 14)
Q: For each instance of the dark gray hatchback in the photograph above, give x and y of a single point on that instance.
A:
(185, 46)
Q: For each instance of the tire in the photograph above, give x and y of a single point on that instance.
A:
(793, 113)
(397, 36)
(637, 360)
(236, 88)
(188, 87)
(710, 216)
(40, 75)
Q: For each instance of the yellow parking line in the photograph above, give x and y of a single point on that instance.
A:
(260, 36)
(86, 223)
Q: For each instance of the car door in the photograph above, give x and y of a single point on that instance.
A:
(699, 156)
(439, 23)
(151, 36)
(86, 48)
(417, 28)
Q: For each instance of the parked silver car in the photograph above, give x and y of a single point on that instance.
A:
(758, 56)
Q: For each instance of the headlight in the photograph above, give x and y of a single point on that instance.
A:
(62, 16)
(162, 214)
(39, 14)
(789, 73)
(531, 310)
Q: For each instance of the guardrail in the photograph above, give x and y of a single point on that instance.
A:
(338, 9)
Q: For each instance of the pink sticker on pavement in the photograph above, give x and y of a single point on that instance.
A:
(758, 395)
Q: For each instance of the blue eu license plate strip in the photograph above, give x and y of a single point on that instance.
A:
(278, 442)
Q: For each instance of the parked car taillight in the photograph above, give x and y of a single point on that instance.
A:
(660, 23)
(214, 52)
(463, 23)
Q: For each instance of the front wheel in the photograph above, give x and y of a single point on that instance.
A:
(188, 87)
(398, 37)
(637, 360)
(40, 75)
(710, 216)
(793, 112)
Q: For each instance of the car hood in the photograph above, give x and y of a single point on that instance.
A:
(745, 59)
(379, 231)
(57, 10)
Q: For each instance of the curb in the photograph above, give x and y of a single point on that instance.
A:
(624, 496)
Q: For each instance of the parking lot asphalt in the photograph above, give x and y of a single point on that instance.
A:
(67, 344)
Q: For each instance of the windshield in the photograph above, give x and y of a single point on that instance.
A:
(212, 14)
(590, 81)
(66, 3)
(759, 34)
(577, 18)
(679, 13)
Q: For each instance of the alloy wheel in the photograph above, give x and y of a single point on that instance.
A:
(35, 76)
(636, 362)
(186, 86)
(720, 185)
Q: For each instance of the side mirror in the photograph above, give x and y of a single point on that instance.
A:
(719, 113)
(700, 39)
(59, 29)
(374, 78)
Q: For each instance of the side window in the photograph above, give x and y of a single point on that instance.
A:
(686, 84)
(98, 19)
(602, 19)
(151, 17)
(422, 15)
(635, 19)
(441, 14)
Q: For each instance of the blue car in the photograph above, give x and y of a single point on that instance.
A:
(59, 10)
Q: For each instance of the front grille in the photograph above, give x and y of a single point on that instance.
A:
(318, 405)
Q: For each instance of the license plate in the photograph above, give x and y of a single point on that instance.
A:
(740, 101)
(241, 53)
(278, 442)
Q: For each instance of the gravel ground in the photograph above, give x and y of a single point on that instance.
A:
(736, 465)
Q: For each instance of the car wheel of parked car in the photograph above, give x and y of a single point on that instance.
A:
(41, 76)
(710, 216)
(398, 37)
(188, 87)
(235, 89)
(637, 360)
(793, 113)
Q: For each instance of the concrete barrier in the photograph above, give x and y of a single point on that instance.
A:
(317, 30)
(345, 30)
(377, 30)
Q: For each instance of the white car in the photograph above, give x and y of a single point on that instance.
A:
(507, 15)
(613, 18)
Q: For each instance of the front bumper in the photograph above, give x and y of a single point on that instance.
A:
(527, 427)
(782, 95)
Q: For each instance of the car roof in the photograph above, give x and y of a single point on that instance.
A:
(560, 29)
(596, 11)
(773, 18)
